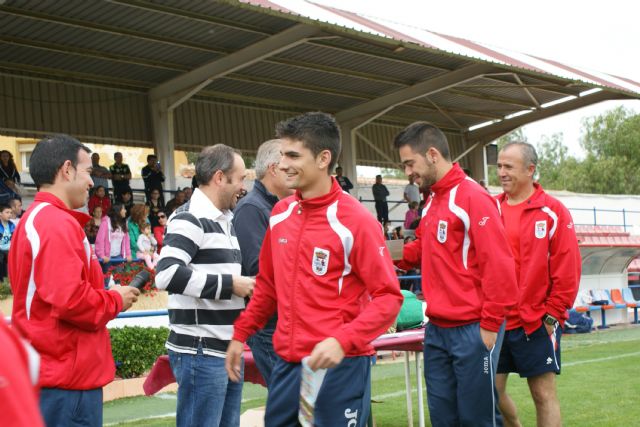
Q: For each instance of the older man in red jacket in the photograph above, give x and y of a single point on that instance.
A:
(60, 304)
(542, 238)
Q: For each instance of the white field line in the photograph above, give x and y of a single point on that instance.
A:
(133, 420)
(601, 359)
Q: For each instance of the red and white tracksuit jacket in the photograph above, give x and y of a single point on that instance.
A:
(468, 272)
(60, 304)
(550, 262)
(325, 265)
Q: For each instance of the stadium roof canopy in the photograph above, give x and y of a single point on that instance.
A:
(185, 74)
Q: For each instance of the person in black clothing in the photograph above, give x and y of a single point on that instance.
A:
(152, 176)
(156, 205)
(344, 182)
(250, 220)
(8, 169)
(120, 176)
(380, 193)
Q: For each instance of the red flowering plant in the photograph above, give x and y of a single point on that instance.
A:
(122, 274)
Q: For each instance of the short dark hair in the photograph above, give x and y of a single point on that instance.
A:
(421, 136)
(49, 156)
(317, 131)
(3, 207)
(211, 159)
(151, 156)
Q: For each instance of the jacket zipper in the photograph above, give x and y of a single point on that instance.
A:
(294, 283)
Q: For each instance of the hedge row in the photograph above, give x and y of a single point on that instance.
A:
(136, 348)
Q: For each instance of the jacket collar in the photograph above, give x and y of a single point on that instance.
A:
(321, 201)
(46, 197)
(536, 200)
(452, 178)
(264, 193)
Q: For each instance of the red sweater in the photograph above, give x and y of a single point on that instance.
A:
(103, 202)
(468, 271)
(59, 302)
(550, 262)
(324, 263)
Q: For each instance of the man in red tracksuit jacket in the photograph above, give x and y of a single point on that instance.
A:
(468, 278)
(325, 266)
(60, 304)
(543, 241)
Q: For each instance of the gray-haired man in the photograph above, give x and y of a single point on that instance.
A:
(251, 219)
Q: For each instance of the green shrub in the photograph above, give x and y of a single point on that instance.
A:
(5, 289)
(136, 348)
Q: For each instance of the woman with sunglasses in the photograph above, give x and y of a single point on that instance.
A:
(159, 230)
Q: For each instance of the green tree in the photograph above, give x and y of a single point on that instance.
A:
(396, 173)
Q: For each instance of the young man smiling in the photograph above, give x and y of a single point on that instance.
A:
(468, 280)
(325, 266)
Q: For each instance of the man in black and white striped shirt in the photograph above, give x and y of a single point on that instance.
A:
(200, 267)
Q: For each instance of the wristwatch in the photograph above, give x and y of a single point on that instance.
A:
(550, 320)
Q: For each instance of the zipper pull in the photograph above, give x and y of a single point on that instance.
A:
(299, 208)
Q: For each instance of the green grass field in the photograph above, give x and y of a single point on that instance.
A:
(599, 386)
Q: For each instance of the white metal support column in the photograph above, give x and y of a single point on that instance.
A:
(348, 156)
(163, 140)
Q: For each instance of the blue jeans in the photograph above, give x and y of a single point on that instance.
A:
(71, 408)
(206, 396)
(261, 345)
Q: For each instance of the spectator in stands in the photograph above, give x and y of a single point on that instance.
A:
(8, 170)
(152, 176)
(411, 192)
(469, 277)
(120, 176)
(324, 266)
(127, 201)
(389, 233)
(156, 205)
(178, 200)
(251, 220)
(147, 246)
(93, 225)
(59, 302)
(112, 240)
(380, 193)
(100, 175)
(7, 193)
(411, 216)
(101, 199)
(139, 217)
(188, 192)
(7, 227)
(483, 185)
(16, 208)
(541, 236)
(344, 182)
(160, 229)
(200, 268)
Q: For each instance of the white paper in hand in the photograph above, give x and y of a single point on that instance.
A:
(309, 388)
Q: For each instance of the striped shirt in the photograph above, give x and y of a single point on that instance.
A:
(199, 256)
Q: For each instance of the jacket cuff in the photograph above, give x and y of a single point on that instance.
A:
(241, 336)
(227, 287)
(492, 325)
(344, 341)
(117, 298)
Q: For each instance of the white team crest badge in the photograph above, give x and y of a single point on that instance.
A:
(541, 229)
(442, 231)
(320, 261)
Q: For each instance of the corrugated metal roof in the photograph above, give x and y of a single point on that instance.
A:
(75, 52)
